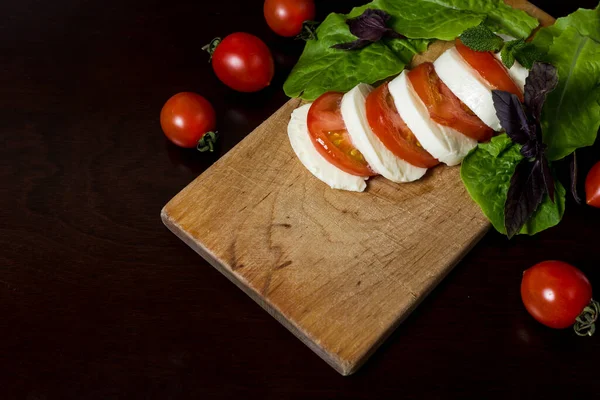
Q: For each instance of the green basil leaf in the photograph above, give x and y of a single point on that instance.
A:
(487, 171)
(527, 55)
(508, 52)
(481, 38)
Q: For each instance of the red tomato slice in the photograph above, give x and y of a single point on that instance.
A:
(393, 132)
(444, 107)
(330, 137)
(490, 69)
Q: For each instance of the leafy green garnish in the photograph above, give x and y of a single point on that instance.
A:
(532, 179)
(585, 21)
(321, 68)
(508, 52)
(568, 119)
(369, 27)
(526, 53)
(487, 171)
(571, 114)
(481, 38)
(446, 19)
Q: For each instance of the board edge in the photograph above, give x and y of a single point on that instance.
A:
(344, 367)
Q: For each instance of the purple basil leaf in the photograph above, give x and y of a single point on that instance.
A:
(530, 149)
(525, 194)
(574, 175)
(356, 45)
(534, 148)
(542, 79)
(547, 176)
(371, 25)
(512, 117)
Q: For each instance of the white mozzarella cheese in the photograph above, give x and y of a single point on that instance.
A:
(380, 159)
(506, 38)
(314, 161)
(468, 86)
(442, 142)
(517, 72)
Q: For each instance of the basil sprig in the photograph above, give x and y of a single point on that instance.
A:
(481, 38)
(532, 178)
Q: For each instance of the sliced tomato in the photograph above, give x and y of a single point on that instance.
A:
(444, 107)
(330, 136)
(490, 69)
(390, 128)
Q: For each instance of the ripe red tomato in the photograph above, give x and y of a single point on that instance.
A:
(243, 62)
(555, 293)
(393, 132)
(592, 186)
(285, 17)
(444, 107)
(330, 137)
(186, 118)
(490, 68)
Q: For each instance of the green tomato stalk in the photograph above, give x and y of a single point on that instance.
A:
(584, 323)
(207, 142)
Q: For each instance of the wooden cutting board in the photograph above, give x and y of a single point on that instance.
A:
(340, 270)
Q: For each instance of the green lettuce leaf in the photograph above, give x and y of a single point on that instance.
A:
(321, 68)
(571, 114)
(486, 173)
(585, 21)
(446, 19)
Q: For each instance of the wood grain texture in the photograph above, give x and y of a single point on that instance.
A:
(340, 270)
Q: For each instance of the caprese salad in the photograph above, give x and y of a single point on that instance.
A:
(435, 113)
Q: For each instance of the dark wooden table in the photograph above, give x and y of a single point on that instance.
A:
(99, 301)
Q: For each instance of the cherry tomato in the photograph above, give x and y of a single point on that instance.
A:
(592, 186)
(285, 17)
(186, 118)
(243, 62)
(490, 68)
(555, 293)
(444, 107)
(330, 137)
(393, 132)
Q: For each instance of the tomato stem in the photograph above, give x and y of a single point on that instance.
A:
(210, 48)
(207, 142)
(584, 325)
(309, 31)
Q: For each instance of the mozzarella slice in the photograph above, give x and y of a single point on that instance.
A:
(314, 161)
(517, 72)
(506, 38)
(468, 86)
(380, 159)
(442, 142)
